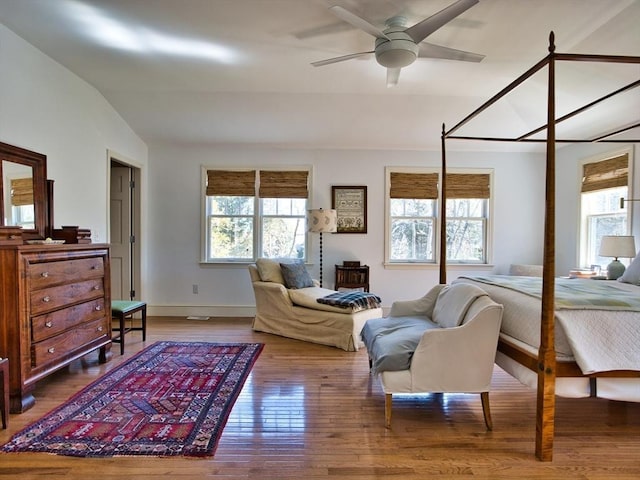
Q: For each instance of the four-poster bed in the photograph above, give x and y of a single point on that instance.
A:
(541, 360)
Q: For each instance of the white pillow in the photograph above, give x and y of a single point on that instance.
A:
(270, 270)
(632, 273)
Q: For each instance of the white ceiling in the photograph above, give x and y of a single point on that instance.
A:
(238, 71)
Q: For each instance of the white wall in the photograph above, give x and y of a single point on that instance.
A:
(175, 213)
(46, 108)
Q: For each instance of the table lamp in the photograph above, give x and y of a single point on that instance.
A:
(617, 246)
(322, 221)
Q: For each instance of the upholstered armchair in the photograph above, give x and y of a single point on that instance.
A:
(443, 342)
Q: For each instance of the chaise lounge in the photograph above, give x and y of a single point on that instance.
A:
(296, 312)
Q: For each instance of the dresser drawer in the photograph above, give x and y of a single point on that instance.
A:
(50, 324)
(43, 275)
(48, 299)
(50, 350)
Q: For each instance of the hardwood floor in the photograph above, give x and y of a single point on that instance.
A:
(311, 411)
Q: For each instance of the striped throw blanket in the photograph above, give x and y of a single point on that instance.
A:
(355, 300)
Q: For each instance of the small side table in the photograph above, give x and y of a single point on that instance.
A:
(4, 385)
(352, 277)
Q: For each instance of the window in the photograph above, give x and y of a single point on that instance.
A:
(603, 184)
(412, 217)
(255, 213)
(467, 214)
(413, 212)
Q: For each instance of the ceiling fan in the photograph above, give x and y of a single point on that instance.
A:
(398, 46)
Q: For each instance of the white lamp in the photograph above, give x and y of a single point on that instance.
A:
(322, 221)
(617, 246)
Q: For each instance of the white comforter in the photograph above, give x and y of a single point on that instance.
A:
(598, 340)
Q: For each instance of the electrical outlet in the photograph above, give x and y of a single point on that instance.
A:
(195, 288)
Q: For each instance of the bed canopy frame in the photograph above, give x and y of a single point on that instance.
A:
(545, 363)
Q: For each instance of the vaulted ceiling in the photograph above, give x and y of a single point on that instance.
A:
(239, 71)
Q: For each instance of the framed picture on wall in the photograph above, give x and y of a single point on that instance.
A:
(350, 204)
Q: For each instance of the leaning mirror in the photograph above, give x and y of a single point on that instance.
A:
(23, 190)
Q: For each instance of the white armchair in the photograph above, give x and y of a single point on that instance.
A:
(443, 342)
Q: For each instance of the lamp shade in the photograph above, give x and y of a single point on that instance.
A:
(322, 221)
(618, 246)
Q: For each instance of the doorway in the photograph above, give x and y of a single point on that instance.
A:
(124, 228)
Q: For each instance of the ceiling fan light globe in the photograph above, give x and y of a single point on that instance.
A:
(396, 53)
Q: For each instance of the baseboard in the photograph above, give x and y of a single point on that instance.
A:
(210, 310)
(201, 310)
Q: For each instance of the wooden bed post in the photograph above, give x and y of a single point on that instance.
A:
(443, 213)
(545, 409)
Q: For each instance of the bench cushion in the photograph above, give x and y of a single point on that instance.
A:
(391, 341)
(126, 306)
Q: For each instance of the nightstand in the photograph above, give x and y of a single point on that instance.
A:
(352, 277)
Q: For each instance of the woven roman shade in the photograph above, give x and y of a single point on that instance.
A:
(468, 185)
(283, 184)
(22, 191)
(610, 173)
(414, 185)
(231, 183)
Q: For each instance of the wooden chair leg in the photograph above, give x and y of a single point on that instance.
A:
(484, 396)
(388, 398)
(144, 323)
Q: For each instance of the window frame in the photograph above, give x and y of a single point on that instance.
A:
(257, 216)
(487, 219)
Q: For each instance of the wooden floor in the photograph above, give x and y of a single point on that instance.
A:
(309, 411)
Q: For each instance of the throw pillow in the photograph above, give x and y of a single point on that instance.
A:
(269, 270)
(296, 275)
(632, 273)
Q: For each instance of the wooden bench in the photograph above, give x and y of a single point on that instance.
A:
(123, 310)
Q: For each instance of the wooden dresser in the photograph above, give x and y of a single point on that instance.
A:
(55, 307)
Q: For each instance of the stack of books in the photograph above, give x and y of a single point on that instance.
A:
(582, 273)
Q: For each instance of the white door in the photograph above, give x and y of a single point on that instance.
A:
(121, 233)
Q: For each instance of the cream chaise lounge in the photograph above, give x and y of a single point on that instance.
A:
(296, 313)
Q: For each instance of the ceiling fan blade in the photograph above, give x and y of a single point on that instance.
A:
(426, 27)
(337, 27)
(328, 61)
(429, 50)
(393, 74)
(358, 22)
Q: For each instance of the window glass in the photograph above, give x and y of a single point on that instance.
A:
(466, 227)
(284, 227)
(602, 216)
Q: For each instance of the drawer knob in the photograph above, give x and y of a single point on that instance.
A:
(99, 329)
(96, 287)
(46, 299)
(48, 324)
(51, 350)
(44, 274)
(98, 308)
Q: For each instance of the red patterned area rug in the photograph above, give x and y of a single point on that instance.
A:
(172, 398)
